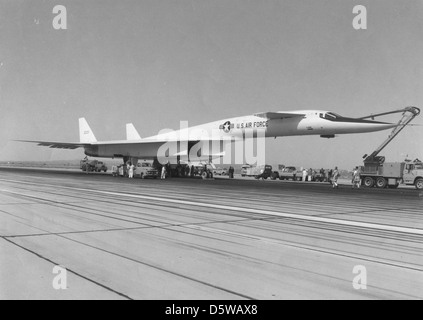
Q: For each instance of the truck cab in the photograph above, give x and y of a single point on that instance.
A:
(413, 174)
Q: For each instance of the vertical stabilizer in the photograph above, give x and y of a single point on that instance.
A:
(131, 132)
(86, 135)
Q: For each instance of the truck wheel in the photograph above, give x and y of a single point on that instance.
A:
(142, 176)
(369, 182)
(419, 184)
(381, 183)
(204, 175)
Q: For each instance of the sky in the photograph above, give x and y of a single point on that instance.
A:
(156, 63)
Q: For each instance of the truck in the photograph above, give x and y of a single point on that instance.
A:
(206, 171)
(286, 173)
(258, 172)
(377, 172)
(392, 174)
(220, 172)
(100, 166)
(145, 170)
(92, 165)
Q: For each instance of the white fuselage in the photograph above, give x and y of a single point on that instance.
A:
(179, 142)
(252, 126)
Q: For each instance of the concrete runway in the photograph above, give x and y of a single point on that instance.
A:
(193, 239)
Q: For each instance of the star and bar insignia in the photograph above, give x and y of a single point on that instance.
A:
(227, 126)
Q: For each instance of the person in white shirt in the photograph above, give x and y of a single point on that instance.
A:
(131, 171)
(335, 178)
(163, 173)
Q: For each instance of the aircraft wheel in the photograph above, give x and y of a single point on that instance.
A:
(369, 182)
(381, 183)
(419, 184)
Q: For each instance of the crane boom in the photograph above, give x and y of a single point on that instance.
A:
(408, 115)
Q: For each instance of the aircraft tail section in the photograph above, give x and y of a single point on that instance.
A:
(86, 135)
(131, 132)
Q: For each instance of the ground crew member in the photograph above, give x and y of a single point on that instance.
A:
(168, 170)
(305, 174)
(356, 179)
(131, 171)
(163, 173)
(179, 169)
(330, 174)
(335, 178)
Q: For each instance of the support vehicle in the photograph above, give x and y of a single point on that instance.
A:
(100, 166)
(145, 170)
(258, 172)
(392, 174)
(92, 165)
(377, 172)
(286, 173)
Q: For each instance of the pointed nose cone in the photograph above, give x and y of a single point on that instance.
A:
(383, 126)
(350, 125)
(371, 126)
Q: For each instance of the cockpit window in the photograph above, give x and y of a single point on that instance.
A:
(333, 115)
(330, 116)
